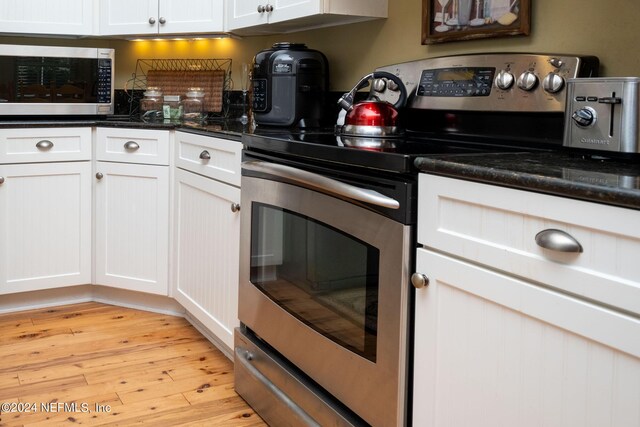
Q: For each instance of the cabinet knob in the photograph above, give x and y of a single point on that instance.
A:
(99, 175)
(235, 207)
(45, 144)
(1, 179)
(162, 20)
(131, 146)
(268, 8)
(261, 8)
(558, 240)
(152, 20)
(419, 280)
(205, 155)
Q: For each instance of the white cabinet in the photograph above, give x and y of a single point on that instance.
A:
(131, 212)
(45, 208)
(140, 17)
(207, 232)
(278, 16)
(508, 333)
(56, 17)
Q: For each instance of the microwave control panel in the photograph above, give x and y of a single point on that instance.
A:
(104, 81)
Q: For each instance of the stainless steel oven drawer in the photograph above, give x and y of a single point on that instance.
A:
(262, 379)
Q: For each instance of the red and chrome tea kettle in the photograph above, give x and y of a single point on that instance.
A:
(372, 118)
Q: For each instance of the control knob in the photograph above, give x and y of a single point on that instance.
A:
(553, 83)
(504, 80)
(584, 116)
(556, 62)
(527, 81)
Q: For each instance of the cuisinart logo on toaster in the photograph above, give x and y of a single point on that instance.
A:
(594, 141)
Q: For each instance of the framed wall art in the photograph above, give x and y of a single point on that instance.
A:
(454, 20)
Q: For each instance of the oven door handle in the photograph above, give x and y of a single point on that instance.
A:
(322, 183)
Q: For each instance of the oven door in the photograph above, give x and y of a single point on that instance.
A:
(324, 281)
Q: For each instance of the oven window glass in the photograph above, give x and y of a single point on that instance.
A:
(322, 276)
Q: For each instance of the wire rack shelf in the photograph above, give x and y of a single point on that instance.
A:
(183, 73)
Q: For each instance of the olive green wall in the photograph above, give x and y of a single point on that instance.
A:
(608, 29)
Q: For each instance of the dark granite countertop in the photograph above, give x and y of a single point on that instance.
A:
(229, 129)
(592, 178)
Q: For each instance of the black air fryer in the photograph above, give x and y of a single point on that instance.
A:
(290, 82)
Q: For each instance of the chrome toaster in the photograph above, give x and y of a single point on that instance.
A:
(603, 114)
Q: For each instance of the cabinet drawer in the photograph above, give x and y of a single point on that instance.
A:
(133, 146)
(216, 158)
(34, 145)
(497, 227)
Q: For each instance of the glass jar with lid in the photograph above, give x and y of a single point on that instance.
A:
(193, 105)
(172, 108)
(151, 104)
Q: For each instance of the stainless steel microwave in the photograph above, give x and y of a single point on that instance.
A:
(51, 80)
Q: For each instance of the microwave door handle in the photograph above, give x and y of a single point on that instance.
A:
(322, 183)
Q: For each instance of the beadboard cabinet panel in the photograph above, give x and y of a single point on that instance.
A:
(206, 251)
(132, 226)
(45, 226)
(492, 350)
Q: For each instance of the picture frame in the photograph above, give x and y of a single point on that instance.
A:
(474, 19)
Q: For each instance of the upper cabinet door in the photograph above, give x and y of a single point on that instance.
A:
(57, 17)
(140, 17)
(120, 17)
(284, 16)
(245, 13)
(194, 16)
(284, 10)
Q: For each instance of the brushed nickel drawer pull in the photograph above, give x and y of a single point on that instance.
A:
(1, 179)
(131, 146)
(205, 155)
(99, 176)
(235, 207)
(558, 240)
(45, 144)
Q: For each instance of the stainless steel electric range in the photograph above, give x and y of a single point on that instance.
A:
(328, 234)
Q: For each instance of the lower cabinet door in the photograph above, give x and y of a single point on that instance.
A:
(132, 226)
(492, 350)
(206, 250)
(45, 226)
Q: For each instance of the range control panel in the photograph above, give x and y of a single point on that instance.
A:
(456, 82)
(516, 82)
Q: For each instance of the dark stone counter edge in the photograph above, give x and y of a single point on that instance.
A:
(205, 130)
(530, 182)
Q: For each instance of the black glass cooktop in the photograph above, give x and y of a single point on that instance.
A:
(390, 154)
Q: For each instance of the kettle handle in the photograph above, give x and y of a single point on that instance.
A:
(402, 100)
(347, 100)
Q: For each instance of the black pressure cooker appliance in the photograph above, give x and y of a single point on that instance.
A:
(290, 82)
(328, 221)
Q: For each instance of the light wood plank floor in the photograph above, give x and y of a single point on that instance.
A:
(147, 368)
